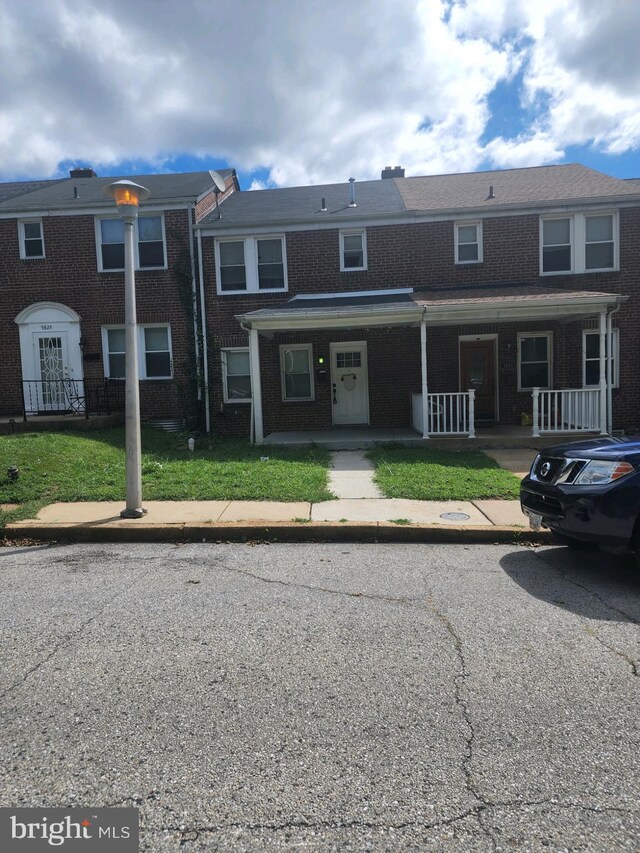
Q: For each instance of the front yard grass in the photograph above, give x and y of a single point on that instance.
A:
(67, 466)
(418, 473)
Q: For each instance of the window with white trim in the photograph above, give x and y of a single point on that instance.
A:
(236, 375)
(251, 265)
(154, 346)
(353, 250)
(591, 358)
(534, 360)
(582, 242)
(468, 242)
(297, 377)
(149, 237)
(31, 238)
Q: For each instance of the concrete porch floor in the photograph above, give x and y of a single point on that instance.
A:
(359, 438)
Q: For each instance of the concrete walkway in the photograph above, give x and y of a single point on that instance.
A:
(351, 475)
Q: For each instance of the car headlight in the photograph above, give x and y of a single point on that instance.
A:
(533, 466)
(598, 472)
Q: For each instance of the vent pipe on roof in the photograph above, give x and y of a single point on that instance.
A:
(75, 192)
(352, 192)
(491, 195)
(323, 205)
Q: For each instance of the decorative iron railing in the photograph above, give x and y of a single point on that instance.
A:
(82, 397)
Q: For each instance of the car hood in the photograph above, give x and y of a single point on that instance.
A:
(626, 447)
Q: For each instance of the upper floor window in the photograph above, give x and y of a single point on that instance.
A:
(31, 239)
(154, 342)
(149, 237)
(353, 250)
(251, 264)
(578, 243)
(468, 240)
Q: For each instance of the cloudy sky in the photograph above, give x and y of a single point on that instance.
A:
(309, 91)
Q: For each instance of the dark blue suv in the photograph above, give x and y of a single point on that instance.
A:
(587, 491)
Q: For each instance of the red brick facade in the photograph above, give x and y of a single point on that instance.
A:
(421, 255)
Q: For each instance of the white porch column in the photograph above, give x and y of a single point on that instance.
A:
(423, 361)
(609, 373)
(536, 413)
(603, 373)
(256, 390)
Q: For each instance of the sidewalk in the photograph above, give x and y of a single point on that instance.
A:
(346, 519)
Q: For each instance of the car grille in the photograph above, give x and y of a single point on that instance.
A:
(544, 505)
(554, 469)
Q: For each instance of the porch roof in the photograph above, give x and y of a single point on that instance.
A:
(449, 305)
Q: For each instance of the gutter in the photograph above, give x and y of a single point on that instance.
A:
(194, 295)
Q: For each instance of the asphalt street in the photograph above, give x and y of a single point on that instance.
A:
(327, 698)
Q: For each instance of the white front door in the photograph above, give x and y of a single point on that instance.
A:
(349, 383)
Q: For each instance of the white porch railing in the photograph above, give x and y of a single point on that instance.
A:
(447, 414)
(567, 410)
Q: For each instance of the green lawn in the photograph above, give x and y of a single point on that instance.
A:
(418, 473)
(67, 466)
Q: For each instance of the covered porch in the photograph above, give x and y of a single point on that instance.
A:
(452, 400)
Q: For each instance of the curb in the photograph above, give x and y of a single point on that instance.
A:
(274, 532)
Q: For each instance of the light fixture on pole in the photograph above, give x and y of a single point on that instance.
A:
(127, 197)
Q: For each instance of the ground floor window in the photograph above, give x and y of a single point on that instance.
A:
(295, 365)
(154, 352)
(236, 375)
(534, 360)
(591, 358)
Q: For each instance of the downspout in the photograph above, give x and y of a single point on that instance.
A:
(194, 297)
(205, 348)
(610, 376)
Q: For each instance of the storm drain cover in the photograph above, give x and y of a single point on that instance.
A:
(455, 516)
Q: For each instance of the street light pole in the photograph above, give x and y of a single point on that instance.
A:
(127, 196)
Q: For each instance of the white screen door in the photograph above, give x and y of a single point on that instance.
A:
(51, 362)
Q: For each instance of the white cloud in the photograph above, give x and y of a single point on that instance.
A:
(310, 92)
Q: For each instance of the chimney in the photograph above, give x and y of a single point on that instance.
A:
(82, 173)
(352, 192)
(395, 172)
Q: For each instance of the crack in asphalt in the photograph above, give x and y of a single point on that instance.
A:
(67, 638)
(625, 657)
(462, 705)
(192, 833)
(541, 556)
(587, 627)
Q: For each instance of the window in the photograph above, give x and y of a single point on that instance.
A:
(353, 250)
(251, 264)
(578, 243)
(154, 350)
(468, 240)
(236, 376)
(149, 235)
(534, 360)
(297, 381)
(591, 358)
(233, 273)
(31, 239)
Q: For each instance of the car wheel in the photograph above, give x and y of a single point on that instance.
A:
(570, 542)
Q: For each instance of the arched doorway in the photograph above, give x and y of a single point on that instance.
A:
(51, 358)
